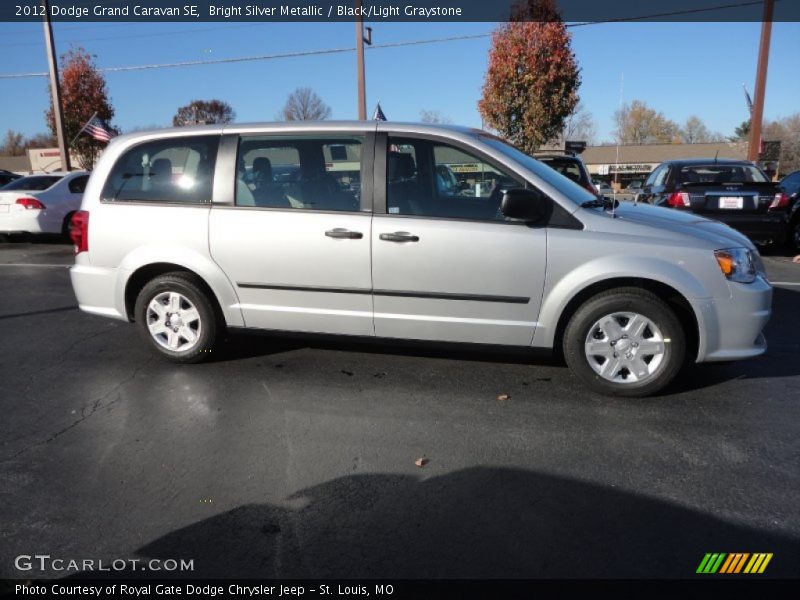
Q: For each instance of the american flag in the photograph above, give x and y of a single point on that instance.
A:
(99, 129)
(378, 114)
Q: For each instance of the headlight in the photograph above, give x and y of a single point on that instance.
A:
(737, 264)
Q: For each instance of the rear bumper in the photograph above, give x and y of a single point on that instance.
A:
(731, 328)
(20, 221)
(758, 227)
(96, 290)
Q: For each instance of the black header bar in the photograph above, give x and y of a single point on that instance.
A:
(376, 11)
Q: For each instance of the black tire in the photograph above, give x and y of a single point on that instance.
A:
(65, 226)
(794, 235)
(187, 286)
(625, 300)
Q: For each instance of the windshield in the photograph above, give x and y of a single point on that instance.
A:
(568, 188)
(37, 183)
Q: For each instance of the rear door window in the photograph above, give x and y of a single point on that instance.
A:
(174, 170)
(302, 172)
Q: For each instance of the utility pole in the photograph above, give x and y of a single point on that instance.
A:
(362, 93)
(757, 116)
(55, 88)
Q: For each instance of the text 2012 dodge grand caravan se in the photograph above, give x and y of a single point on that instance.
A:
(350, 228)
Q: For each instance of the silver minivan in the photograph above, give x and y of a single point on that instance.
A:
(347, 228)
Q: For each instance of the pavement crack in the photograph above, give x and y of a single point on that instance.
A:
(86, 412)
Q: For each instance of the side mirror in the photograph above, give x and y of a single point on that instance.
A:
(524, 204)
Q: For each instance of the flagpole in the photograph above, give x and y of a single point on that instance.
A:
(55, 89)
(83, 128)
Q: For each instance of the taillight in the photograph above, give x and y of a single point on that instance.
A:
(30, 203)
(781, 200)
(679, 200)
(79, 231)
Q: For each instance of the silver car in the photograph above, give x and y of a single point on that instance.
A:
(191, 231)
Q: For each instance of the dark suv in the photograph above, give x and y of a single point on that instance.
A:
(790, 186)
(7, 177)
(571, 167)
(735, 192)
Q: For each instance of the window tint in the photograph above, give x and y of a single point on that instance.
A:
(78, 185)
(172, 170)
(426, 178)
(35, 183)
(568, 168)
(299, 172)
(791, 183)
(660, 175)
(717, 174)
(571, 190)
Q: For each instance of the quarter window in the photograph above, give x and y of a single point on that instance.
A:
(78, 185)
(300, 172)
(426, 178)
(171, 170)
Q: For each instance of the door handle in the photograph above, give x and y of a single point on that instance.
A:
(399, 236)
(342, 233)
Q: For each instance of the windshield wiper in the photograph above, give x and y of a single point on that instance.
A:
(602, 202)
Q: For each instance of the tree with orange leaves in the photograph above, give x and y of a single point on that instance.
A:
(83, 92)
(532, 81)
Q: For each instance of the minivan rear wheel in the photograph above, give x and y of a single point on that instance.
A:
(625, 342)
(176, 318)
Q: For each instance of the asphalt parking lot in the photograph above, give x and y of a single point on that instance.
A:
(284, 458)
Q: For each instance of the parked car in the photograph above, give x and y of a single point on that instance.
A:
(7, 177)
(790, 186)
(633, 188)
(602, 187)
(571, 167)
(41, 203)
(170, 237)
(735, 192)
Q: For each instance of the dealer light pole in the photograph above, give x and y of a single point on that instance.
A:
(55, 88)
(757, 116)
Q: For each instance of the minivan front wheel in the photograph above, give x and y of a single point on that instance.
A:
(625, 342)
(176, 318)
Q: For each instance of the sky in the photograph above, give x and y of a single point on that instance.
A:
(681, 69)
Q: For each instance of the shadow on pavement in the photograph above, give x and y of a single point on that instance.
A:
(475, 523)
(779, 332)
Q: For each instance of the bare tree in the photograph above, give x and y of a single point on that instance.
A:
(694, 131)
(637, 123)
(13, 144)
(579, 126)
(434, 116)
(303, 104)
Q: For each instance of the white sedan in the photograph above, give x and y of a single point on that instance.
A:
(41, 203)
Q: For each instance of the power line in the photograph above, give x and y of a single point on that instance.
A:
(217, 61)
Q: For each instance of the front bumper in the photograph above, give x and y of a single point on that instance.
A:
(731, 328)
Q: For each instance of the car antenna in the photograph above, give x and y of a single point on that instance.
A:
(715, 156)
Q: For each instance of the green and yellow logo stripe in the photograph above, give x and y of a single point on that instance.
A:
(734, 562)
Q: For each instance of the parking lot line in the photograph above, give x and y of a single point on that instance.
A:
(49, 266)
